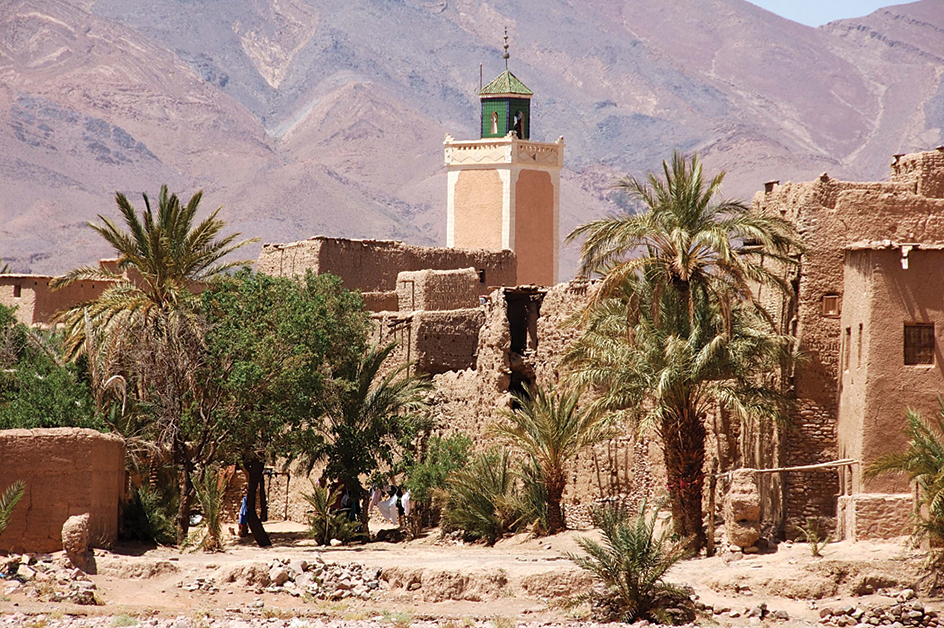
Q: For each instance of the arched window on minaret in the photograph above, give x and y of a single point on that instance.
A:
(519, 124)
(494, 123)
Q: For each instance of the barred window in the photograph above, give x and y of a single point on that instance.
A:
(919, 344)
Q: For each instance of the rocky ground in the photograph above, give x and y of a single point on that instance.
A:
(443, 583)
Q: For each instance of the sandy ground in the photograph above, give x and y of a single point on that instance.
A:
(532, 575)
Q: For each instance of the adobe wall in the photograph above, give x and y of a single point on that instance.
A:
(37, 304)
(479, 210)
(535, 238)
(829, 216)
(439, 290)
(68, 471)
(877, 387)
(924, 171)
(373, 265)
(435, 342)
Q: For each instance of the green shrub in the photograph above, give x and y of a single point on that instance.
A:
(8, 501)
(631, 564)
(481, 499)
(324, 523)
(210, 495)
(148, 516)
(813, 534)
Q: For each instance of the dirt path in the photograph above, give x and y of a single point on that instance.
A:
(520, 579)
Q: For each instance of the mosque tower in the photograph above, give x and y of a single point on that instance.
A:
(504, 189)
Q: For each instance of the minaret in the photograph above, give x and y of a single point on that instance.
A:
(504, 189)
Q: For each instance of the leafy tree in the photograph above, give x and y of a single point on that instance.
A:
(365, 412)
(674, 326)
(36, 388)
(426, 472)
(631, 564)
(274, 346)
(922, 462)
(551, 429)
(162, 257)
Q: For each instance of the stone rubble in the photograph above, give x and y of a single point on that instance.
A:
(313, 577)
(905, 611)
(43, 577)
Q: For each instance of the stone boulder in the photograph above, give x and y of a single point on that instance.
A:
(75, 541)
(742, 509)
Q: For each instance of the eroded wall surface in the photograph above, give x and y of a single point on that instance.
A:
(439, 289)
(68, 471)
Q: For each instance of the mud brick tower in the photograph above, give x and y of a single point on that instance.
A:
(504, 189)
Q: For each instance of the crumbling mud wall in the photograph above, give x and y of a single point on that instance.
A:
(373, 265)
(439, 289)
(829, 216)
(68, 471)
(434, 342)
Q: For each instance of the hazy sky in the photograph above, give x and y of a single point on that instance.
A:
(818, 12)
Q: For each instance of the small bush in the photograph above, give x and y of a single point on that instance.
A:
(325, 523)
(8, 501)
(210, 495)
(481, 500)
(148, 516)
(631, 564)
(813, 534)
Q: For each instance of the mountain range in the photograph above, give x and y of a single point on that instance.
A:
(306, 117)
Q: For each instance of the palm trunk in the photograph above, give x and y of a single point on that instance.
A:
(555, 514)
(683, 435)
(254, 467)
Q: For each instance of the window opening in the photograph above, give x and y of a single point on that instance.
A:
(919, 344)
(859, 349)
(494, 123)
(831, 305)
(519, 125)
(481, 275)
(17, 291)
(847, 342)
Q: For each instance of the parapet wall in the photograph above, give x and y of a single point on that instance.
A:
(68, 471)
(924, 171)
(373, 265)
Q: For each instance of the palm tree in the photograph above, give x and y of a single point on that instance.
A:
(551, 429)
(362, 418)
(671, 373)
(674, 325)
(161, 259)
(686, 238)
(923, 462)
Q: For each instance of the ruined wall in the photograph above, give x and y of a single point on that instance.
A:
(439, 290)
(435, 342)
(924, 171)
(373, 265)
(37, 304)
(68, 471)
(829, 216)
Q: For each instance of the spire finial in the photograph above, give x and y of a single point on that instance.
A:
(505, 55)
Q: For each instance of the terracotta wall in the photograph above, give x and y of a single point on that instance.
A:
(37, 304)
(535, 240)
(68, 471)
(373, 265)
(479, 210)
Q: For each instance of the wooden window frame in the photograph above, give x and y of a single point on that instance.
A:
(918, 346)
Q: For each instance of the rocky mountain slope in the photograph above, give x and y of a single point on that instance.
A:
(305, 117)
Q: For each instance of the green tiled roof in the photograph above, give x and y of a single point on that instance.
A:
(506, 83)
